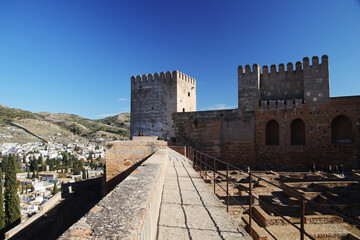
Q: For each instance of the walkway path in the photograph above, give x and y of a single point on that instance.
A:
(189, 209)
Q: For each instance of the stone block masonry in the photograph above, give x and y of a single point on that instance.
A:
(285, 120)
(121, 155)
(163, 199)
(155, 97)
(131, 210)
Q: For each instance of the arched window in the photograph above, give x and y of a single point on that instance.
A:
(298, 132)
(272, 133)
(341, 130)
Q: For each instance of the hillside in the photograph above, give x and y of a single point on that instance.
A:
(60, 127)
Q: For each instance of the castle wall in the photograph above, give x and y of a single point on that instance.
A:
(318, 147)
(222, 134)
(227, 136)
(281, 84)
(248, 87)
(239, 136)
(316, 80)
(309, 82)
(165, 105)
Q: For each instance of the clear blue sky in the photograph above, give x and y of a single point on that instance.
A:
(78, 56)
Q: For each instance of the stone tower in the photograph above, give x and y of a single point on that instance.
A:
(154, 97)
(283, 88)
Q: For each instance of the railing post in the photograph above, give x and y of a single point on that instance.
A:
(192, 155)
(302, 230)
(200, 159)
(197, 161)
(214, 175)
(227, 186)
(193, 158)
(206, 168)
(250, 203)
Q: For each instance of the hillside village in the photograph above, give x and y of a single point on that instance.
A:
(60, 148)
(35, 191)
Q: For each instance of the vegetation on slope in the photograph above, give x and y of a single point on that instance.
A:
(111, 128)
(121, 120)
(10, 114)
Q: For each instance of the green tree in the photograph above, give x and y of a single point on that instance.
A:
(83, 173)
(12, 203)
(40, 160)
(28, 171)
(37, 169)
(4, 163)
(55, 189)
(2, 213)
(90, 157)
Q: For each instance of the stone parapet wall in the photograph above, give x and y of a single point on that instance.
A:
(44, 208)
(121, 155)
(131, 210)
(179, 149)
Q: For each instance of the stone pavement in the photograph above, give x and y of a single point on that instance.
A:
(189, 209)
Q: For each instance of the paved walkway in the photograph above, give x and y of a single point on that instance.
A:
(189, 209)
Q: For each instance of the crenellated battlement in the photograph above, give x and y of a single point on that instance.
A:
(302, 80)
(167, 76)
(274, 69)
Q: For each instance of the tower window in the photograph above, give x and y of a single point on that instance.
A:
(298, 132)
(188, 94)
(341, 130)
(272, 133)
(183, 109)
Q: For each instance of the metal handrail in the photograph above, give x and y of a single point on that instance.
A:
(196, 157)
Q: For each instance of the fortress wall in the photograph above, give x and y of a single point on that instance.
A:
(308, 82)
(318, 147)
(316, 80)
(248, 87)
(279, 84)
(131, 210)
(121, 155)
(221, 133)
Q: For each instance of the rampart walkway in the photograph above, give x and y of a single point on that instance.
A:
(164, 198)
(189, 209)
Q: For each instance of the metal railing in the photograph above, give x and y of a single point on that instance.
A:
(203, 163)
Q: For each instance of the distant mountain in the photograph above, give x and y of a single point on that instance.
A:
(120, 120)
(60, 127)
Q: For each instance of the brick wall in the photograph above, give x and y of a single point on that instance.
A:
(233, 137)
(318, 147)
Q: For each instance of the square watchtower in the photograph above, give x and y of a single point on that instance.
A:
(154, 97)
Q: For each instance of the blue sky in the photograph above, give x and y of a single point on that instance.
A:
(78, 56)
